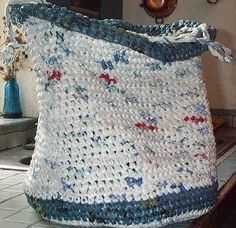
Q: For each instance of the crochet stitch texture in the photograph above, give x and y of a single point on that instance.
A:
(124, 135)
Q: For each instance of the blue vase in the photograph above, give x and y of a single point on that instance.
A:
(12, 108)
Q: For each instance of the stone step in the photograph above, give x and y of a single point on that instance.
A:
(15, 132)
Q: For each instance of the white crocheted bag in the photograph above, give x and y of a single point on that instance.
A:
(124, 135)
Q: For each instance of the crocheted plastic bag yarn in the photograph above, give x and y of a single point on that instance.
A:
(124, 134)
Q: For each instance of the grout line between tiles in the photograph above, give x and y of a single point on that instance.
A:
(10, 186)
(17, 196)
(13, 214)
(34, 223)
(9, 176)
(11, 198)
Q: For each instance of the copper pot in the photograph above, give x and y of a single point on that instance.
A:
(159, 8)
(155, 5)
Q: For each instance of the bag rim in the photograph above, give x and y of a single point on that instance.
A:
(178, 41)
(117, 31)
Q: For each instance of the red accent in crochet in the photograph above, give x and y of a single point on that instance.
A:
(152, 163)
(107, 78)
(186, 118)
(55, 75)
(195, 119)
(204, 156)
(201, 119)
(145, 127)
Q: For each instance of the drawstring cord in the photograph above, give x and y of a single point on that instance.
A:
(215, 47)
(191, 35)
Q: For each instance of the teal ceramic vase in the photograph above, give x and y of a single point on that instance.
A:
(12, 107)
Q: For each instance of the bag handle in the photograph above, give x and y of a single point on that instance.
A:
(213, 46)
(189, 35)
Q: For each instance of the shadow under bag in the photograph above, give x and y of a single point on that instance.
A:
(124, 134)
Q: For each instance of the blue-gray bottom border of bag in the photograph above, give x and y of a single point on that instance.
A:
(168, 208)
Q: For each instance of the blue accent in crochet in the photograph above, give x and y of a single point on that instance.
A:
(126, 213)
(201, 110)
(82, 92)
(153, 66)
(131, 99)
(133, 181)
(66, 185)
(121, 57)
(180, 170)
(107, 65)
(116, 31)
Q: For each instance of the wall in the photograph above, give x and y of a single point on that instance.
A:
(220, 77)
(27, 83)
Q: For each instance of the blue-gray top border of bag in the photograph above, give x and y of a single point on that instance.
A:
(194, 39)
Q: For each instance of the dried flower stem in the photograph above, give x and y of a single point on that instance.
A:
(9, 71)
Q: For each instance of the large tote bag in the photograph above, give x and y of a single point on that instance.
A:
(124, 134)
